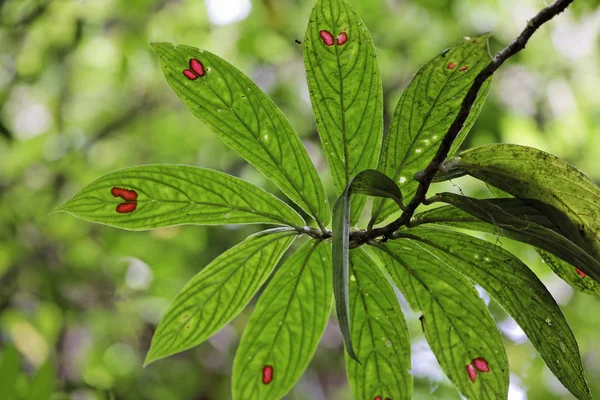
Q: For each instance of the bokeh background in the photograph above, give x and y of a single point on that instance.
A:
(81, 94)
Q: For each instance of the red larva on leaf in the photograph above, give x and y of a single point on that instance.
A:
(463, 68)
(267, 374)
(197, 67)
(451, 65)
(327, 37)
(125, 194)
(580, 273)
(342, 38)
(125, 208)
(472, 372)
(377, 398)
(481, 364)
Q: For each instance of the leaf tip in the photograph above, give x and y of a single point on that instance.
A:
(151, 357)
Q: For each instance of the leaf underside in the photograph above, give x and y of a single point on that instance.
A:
(491, 216)
(246, 119)
(286, 325)
(568, 197)
(517, 289)
(379, 333)
(575, 278)
(167, 195)
(426, 109)
(456, 322)
(346, 92)
(218, 293)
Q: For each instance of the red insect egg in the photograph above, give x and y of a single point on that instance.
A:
(326, 37)
(190, 75)
(342, 39)
(451, 65)
(580, 272)
(197, 67)
(472, 372)
(267, 374)
(125, 208)
(481, 364)
(463, 68)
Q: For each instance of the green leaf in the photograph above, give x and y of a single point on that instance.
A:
(528, 173)
(518, 290)
(369, 182)
(168, 195)
(425, 112)
(379, 333)
(506, 207)
(573, 276)
(345, 91)
(9, 371)
(218, 293)
(456, 322)
(286, 325)
(490, 216)
(43, 383)
(248, 121)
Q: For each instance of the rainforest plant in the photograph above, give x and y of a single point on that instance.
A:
(536, 198)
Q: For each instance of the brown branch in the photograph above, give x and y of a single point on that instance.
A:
(425, 177)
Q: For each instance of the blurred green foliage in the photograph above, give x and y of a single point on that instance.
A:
(81, 94)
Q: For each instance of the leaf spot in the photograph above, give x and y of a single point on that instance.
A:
(130, 197)
(326, 37)
(125, 194)
(189, 74)
(472, 372)
(197, 67)
(196, 70)
(267, 374)
(580, 272)
(481, 364)
(125, 208)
